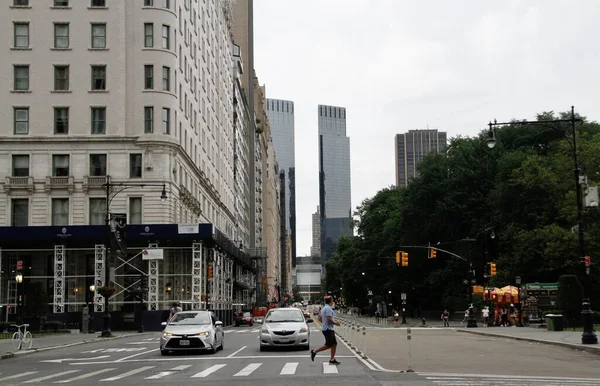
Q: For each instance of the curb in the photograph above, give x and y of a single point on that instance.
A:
(46, 348)
(590, 349)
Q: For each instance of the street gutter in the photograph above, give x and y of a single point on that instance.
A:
(46, 348)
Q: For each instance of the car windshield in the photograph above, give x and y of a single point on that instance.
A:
(247, 315)
(284, 316)
(192, 318)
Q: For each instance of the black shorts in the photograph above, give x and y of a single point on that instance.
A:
(330, 340)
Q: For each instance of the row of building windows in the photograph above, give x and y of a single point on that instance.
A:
(21, 120)
(21, 165)
(63, 3)
(20, 209)
(21, 77)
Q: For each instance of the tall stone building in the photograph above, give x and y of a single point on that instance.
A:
(411, 147)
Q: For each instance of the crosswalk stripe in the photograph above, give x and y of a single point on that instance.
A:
(240, 331)
(124, 375)
(18, 376)
(160, 375)
(84, 376)
(329, 368)
(256, 330)
(289, 368)
(182, 367)
(50, 376)
(248, 370)
(209, 371)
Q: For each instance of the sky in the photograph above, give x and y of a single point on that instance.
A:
(399, 65)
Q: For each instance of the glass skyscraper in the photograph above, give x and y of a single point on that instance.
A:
(334, 179)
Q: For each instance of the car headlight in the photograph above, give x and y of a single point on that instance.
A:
(205, 333)
(167, 334)
(264, 331)
(304, 329)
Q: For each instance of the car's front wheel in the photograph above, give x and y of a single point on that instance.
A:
(164, 352)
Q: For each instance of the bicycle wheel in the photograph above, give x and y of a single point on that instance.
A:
(27, 340)
(16, 340)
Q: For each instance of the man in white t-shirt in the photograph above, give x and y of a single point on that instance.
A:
(486, 315)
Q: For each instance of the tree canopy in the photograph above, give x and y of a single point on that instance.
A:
(514, 205)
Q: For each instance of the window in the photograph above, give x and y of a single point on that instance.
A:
(165, 120)
(135, 166)
(21, 74)
(61, 3)
(148, 77)
(60, 211)
(21, 2)
(135, 210)
(21, 31)
(148, 119)
(61, 35)
(20, 166)
(21, 120)
(148, 35)
(97, 211)
(98, 120)
(165, 37)
(98, 77)
(97, 165)
(61, 120)
(98, 35)
(61, 78)
(98, 3)
(20, 212)
(148, 3)
(166, 79)
(60, 165)
(166, 4)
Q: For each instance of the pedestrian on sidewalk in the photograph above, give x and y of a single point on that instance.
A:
(327, 318)
(486, 315)
(445, 317)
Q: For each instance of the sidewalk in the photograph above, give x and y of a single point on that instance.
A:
(49, 342)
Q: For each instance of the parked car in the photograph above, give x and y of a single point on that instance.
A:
(244, 318)
(285, 327)
(192, 330)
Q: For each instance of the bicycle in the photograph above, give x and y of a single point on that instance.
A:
(22, 338)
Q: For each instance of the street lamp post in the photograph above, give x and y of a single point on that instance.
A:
(19, 280)
(518, 283)
(588, 336)
(112, 190)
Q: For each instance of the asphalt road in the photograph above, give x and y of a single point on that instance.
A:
(137, 360)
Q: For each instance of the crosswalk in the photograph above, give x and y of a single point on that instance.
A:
(149, 373)
(506, 380)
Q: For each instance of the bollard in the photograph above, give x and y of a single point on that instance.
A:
(408, 338)
(357, 343)
(364, 351)
(352, 336)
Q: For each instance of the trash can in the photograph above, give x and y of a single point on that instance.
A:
(554, 322)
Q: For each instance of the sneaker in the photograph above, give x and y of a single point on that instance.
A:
(313, 354)
(334, 362)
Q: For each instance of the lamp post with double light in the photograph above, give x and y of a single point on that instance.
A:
(588, 336)
(114, 226)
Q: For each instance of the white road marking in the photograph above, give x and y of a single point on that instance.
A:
(135, 355)
(182, 367)
(209, 371)
(240, 331)
(18, 375)
(84, 376)
(210, 358)
(160, 375)
(231, 355)
(256, 330)
(124, 375)
(289, 368)
(248, 370)
(329, 368)
(50, 376)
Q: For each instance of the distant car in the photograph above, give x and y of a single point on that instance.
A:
(244, 318)
(192, 330)
(285, 327)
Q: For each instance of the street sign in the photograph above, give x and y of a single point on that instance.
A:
(403, 296)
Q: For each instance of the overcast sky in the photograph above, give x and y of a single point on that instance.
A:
(398, 65)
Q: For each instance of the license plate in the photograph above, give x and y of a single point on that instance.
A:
(284, 340)
(184, 342)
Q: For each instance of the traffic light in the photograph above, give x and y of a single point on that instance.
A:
(588, 261)
(398, 254)
(405, 259)
(433, 254)
(210, 271)
(492, 269)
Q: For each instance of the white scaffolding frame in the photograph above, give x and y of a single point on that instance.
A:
(153, 281)
(59, 281)
(99, 258)
(197, 275)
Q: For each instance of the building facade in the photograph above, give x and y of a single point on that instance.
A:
(308, 277)
(334, 179)
(140, 93)
(411, 147)
(315, 249)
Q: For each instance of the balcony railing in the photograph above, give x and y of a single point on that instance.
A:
(18, 183)
(59, 183)
(90, 182)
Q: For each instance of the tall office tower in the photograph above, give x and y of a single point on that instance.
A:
(334, 179)
(315, 249)
(281, 118)
(410, 149)
(130, 97)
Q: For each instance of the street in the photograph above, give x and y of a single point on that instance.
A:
(137, 360)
